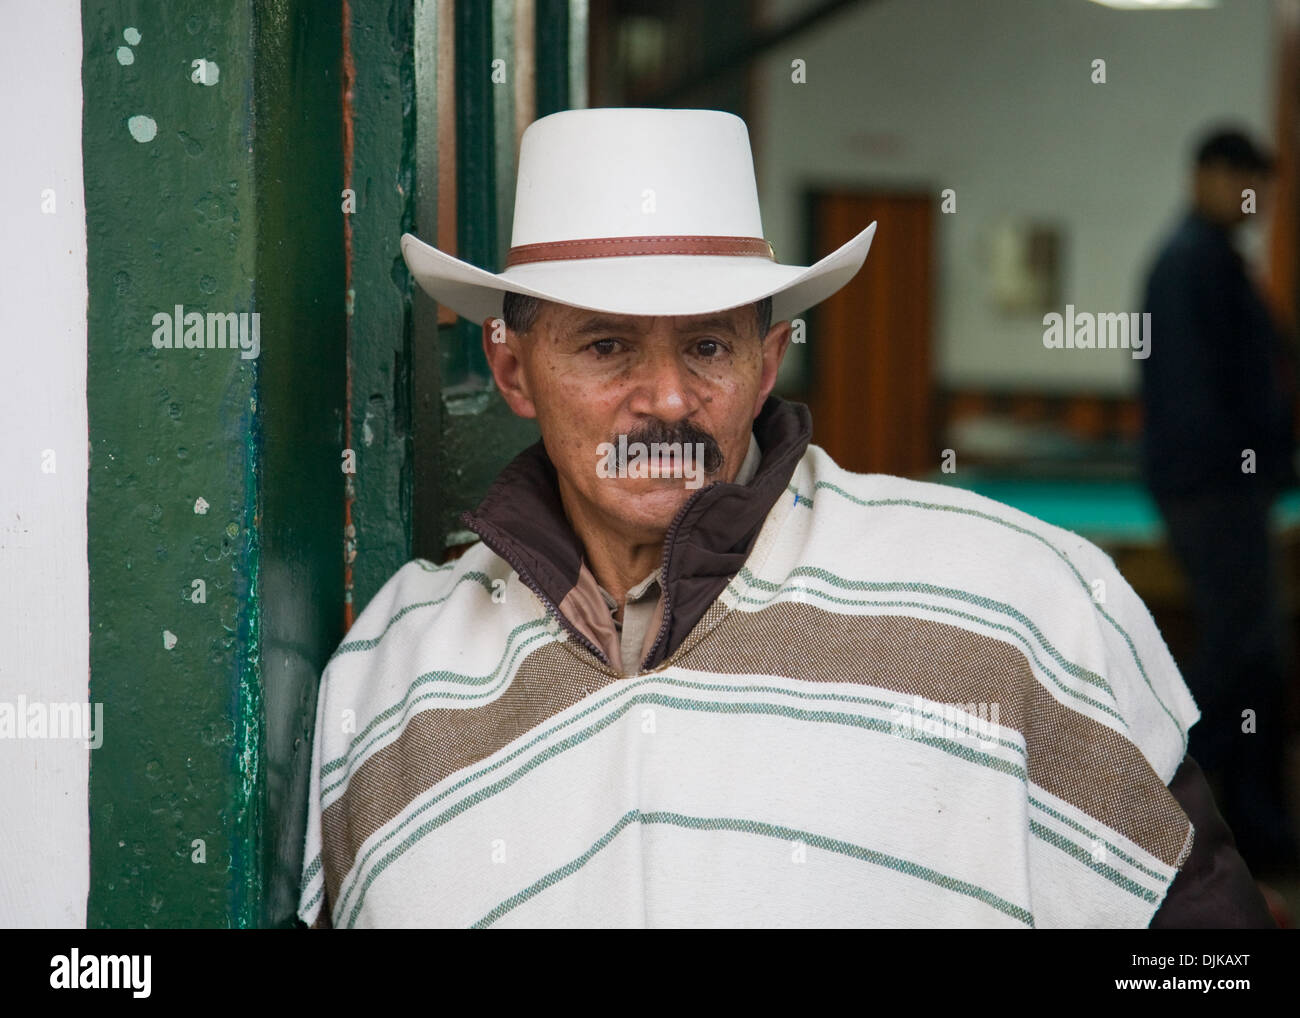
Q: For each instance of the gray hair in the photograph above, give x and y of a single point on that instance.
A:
(519, 311)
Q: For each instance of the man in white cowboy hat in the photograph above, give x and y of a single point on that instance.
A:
(695, 673)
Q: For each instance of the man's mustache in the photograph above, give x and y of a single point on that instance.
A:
(681, 434)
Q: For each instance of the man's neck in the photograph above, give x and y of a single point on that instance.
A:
(618, 565)
(1207, 217)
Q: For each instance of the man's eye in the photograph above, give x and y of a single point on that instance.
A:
(604, 347)
(708, 348)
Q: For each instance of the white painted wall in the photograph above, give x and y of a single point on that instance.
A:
(993, 98)
(44, 624)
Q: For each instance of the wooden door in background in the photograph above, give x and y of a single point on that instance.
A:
(871, 379)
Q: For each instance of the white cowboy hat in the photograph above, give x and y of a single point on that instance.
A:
(636, 212)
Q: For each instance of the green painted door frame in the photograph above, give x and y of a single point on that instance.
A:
(225, 534)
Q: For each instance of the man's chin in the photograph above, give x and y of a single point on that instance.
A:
(649, 505)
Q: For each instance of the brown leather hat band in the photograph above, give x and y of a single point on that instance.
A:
(613, 247)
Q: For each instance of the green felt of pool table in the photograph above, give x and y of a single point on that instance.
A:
(1102, 510)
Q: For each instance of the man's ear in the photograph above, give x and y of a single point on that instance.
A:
(775, 344)
(501, 347)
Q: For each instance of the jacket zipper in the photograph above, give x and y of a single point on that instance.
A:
(669, 538)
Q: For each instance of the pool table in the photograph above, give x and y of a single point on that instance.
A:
(1118, 515)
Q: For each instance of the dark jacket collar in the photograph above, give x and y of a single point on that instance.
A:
(522, 519)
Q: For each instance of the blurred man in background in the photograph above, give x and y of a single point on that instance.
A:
(1218, 446)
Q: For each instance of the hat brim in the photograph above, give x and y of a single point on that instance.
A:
(637, 284)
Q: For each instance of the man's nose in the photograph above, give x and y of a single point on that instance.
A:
(664, 387)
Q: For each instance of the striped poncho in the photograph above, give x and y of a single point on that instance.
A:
(910, 707)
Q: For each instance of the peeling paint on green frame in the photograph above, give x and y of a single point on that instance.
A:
(204, 738)
(379, 362)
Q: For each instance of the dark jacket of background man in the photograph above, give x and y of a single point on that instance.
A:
(1217, 385)
(1216, 381)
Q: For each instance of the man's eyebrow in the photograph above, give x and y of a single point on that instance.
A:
(596, 325)
(716, 322)
(608, 324)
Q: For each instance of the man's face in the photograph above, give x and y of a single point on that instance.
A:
(1219, 190)
(591, 378)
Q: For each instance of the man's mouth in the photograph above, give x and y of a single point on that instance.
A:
(659, 461)
(665, 463)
